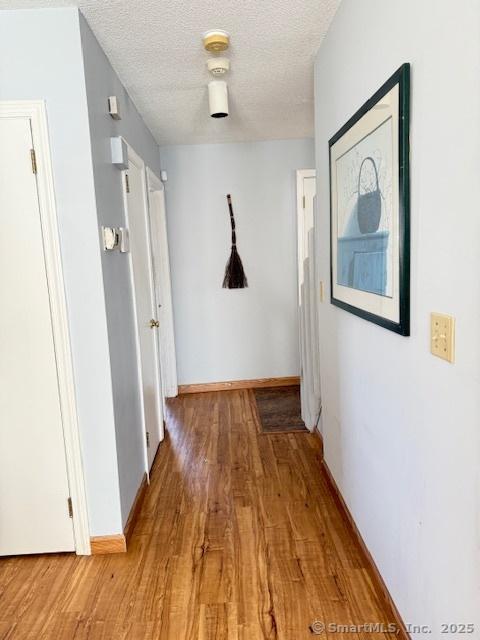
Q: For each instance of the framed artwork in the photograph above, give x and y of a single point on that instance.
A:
(370, 208)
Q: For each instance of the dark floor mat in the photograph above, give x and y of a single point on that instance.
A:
(279, 409)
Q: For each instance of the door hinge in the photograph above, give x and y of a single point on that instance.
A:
(33, 158)
(148, 438)
(70, 508)
(127, 183)
(303, 202)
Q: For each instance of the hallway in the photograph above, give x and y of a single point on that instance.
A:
(239, 539)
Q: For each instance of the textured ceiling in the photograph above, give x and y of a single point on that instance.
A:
(155, 47)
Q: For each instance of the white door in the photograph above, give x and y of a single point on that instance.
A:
(307, 298)
(161, 269)
(145, 303)
(34, 492)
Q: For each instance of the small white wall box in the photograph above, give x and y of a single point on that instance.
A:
(110, 238)
(124, 240)
(114, 108)
(119, 153)
(163, 176)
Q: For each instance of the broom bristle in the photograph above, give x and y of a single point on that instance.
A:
(235, 277)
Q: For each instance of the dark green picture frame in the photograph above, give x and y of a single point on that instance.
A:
(401, 78)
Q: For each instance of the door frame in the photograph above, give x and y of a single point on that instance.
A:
(36, 112)
(163, 283)
(301, 175)
(140, 164)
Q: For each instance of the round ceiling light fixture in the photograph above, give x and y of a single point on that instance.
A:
(216, 41)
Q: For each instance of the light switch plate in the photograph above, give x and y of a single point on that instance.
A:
(110, 238)
(442, 335)
(322, 291)
(119, 150)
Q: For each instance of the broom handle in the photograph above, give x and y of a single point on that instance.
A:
(232, 220)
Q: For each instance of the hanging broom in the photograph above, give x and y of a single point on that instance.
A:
(235, 277)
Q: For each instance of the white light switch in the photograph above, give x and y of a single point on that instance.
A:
(443, 336)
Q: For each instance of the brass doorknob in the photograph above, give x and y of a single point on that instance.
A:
(154, 323)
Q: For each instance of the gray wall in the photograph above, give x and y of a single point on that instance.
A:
(101, 82)
(401, 427)
(40, 58)
(234, 334)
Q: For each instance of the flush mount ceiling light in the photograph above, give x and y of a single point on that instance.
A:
(216, 41)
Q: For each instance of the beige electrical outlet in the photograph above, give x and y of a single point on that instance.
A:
(442, 336)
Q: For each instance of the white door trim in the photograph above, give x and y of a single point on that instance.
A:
(35, 110)
(301, 175)
(163, 281)
(139, 163)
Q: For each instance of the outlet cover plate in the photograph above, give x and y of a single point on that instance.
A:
(442, 335)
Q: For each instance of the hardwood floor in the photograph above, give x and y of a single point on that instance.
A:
(239, 538)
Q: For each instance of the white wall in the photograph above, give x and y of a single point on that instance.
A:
(401, 427)
(40, 58)
(101, 82)
(245, 333)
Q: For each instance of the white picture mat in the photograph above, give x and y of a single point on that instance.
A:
(386, 307)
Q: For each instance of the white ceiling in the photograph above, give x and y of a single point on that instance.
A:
(156, 48)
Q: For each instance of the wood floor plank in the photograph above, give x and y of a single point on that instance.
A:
(239, 538)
